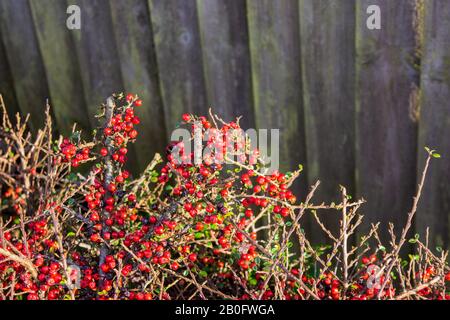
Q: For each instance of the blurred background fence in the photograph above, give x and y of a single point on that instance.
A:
(355, 106)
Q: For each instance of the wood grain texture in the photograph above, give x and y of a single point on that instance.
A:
(327, 41)
(386, 129)
(98, 59)
(276, 81)
(277, 91)
(97, 53)
(24, 57)
(61, 65)
(134, 37)
(226, 58)
(179, 58)
(6, 83)
(434, 126)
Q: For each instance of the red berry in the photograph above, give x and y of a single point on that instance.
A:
(261, 180)
(104, 267)
(186, 117)
(107, 131)
(123, 151)
(32, 296)
(130, 97)
(199, 226)
(159, 230)
(138, 103)
(112, 187)
(133, 134)
(192, 257)
(75, 163)
(110, 201)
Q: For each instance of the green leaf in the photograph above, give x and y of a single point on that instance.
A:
(413, 257)
(436, 155)
(199, 235)
(115, 242)
(72, 177)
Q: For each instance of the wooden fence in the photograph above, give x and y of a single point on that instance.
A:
(355, 106)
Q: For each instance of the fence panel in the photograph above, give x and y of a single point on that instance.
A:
(385, 122)
(177, 42)
(434, 129)
(327, 42)
(24, 57)
(226, 58)
(6, 83)
(276, 78)
(61, 65)
(134, 38)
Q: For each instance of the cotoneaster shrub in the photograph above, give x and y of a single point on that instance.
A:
(182, 231)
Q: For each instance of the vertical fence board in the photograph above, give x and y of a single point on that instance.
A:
(434, 126)
(177, 42)
(6, 83)
(276, 76)
(386, 128)
(226, 58)
(134, 37)
(61, 65)
(327, 42)
(98, 58)
(24, 58)
(276, 79)
(97, 53)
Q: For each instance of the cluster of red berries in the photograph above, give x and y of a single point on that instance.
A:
(14, 197)
(72, 154)
(121, 127)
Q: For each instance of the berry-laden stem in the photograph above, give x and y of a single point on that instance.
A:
(108, 176)
(411, 214)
